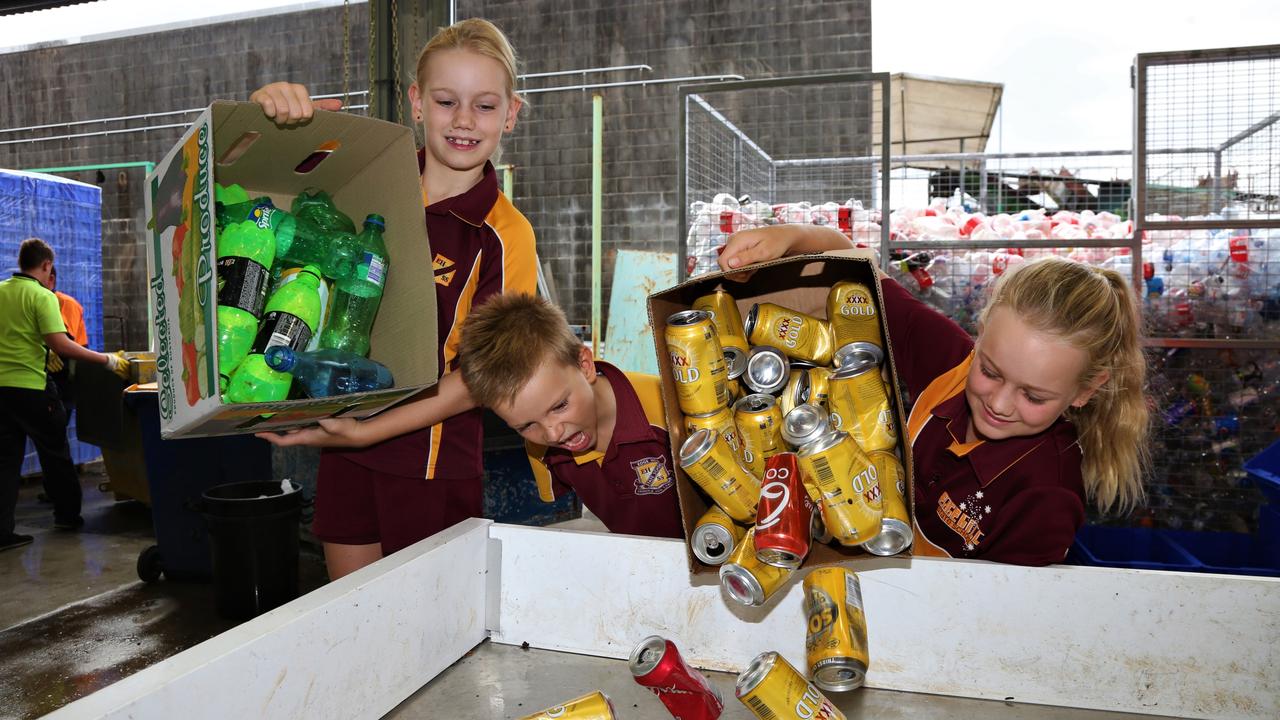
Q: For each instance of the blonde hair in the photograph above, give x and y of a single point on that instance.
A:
(479, 36)
(507, 339)
(1094, 310)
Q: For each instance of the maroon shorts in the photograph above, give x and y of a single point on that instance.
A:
(359, 506)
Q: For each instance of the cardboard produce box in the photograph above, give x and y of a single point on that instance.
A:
(367, 166)
(800, 283)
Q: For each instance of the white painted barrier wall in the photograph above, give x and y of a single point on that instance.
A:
(1147, 642)
(354, 648)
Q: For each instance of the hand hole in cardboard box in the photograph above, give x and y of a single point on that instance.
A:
(317, 156)
(239, 148)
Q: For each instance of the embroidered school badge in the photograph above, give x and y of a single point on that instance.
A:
(652, 476)
(444, 269)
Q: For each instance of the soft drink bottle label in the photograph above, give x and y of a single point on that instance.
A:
(243, 284)
(372, 267)
(281, 328)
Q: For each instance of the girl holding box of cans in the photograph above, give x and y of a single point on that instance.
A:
(1012, 431)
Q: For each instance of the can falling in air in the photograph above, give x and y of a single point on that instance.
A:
(845, 481)
(746, 579)
(800, 336)
(784, 518)
(767, 370)
(836, 644)
(774, 690)
(714, 466)
(592, 706)
(715, 536)
(851, 311)
(860, 407)
(697, 362)
(759, 421)
(723, 310)
(656, 664)
(895, 527)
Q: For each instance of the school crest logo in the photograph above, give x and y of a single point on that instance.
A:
(652, 476)
(444, 269)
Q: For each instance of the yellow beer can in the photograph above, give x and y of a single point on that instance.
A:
(851, 310)
(774, 690)
(697, 363)
(707, 458)
(797, 335)
(796, 392)
(592, 706)
(746, 579)
(845, 481)
(759, 421)
(721, 421)
(715, 536)
(836, 645)
(723, 310)
(860, 407)
(895, 527)
(819, 386)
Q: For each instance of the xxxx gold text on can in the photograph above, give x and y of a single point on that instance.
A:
(697, 363)
(845, 481)
(759, 421)
(723, 310)
(746, 579)
(774, 690)
(895, 527)
(721, 421)
(714, 466)
(836, 645)
(860, 407)
(592, 706)
(799, 336)
(715, 536)
(851, 310)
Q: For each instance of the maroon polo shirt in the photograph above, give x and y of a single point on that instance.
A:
(1018, 500)
(481, 246)
(631, 485)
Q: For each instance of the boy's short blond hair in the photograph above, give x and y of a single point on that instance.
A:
(506, 340)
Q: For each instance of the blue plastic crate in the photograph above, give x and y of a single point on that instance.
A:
(1229, 553)
(1135, 548)
(1264, 468)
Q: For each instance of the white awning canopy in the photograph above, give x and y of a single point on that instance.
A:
(930, 115)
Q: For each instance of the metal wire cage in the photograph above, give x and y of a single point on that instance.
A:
(1207, 191)
(799, 149)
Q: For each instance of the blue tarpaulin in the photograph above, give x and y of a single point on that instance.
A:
(68, 216)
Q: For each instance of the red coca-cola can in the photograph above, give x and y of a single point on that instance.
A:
(657, 665)
(784, 517)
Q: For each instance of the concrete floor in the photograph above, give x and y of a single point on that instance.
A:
(500, 682)
(74, 617)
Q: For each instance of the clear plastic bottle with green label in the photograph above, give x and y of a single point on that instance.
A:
(292, 315)
(356, 299)
(245, 254)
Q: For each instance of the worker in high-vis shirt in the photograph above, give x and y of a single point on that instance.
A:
(30, 327)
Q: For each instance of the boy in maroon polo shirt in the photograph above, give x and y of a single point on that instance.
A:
(1011, 432)
(587, 425)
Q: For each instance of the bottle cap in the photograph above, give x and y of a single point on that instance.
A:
(280, 358)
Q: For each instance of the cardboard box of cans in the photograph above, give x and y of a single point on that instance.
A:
(367, 166)
(800, 284)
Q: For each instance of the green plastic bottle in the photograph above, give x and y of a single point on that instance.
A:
(245, 254)
(292, 315)
(316, 206)
(356, 299)
(265, 214)
(332, 251)
(229, 194)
